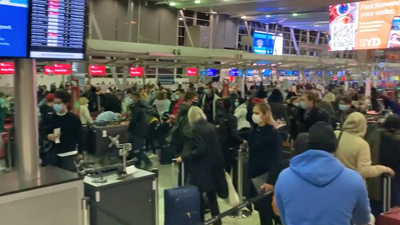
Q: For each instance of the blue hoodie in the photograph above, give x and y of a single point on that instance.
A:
(318, 190)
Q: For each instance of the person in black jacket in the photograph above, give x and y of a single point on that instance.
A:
(345, 109)
(293, 113)
(265, 155)
(139, 126)
(278, 109)
(65, 130)
(309, 113)
(230, 140)
(113, 103)
(46, 114)
(204, 162)
(93, 100)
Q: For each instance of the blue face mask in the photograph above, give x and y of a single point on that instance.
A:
(343, 107)
(296, 104)
(206, 91)
(130, 101)
(236, 104)
(57, 107)
(1, 101)
(303, 105)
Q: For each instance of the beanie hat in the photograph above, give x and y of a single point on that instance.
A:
(50, 97)
(322, 137)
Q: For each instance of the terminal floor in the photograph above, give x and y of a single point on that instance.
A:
(166, 182)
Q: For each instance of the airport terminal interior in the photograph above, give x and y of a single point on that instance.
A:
(123, 71)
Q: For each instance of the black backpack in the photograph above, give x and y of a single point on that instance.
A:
(222, 125)
(152, 111)
(175, 137)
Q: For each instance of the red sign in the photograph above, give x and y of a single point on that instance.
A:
(136, 71)
(97, 70)
(48, 70)
(191, 71)
(62, 69)
(7, 68)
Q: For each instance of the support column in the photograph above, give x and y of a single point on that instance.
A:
(211, 26)
(26, 121)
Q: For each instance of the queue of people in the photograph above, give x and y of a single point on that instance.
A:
(205, 131)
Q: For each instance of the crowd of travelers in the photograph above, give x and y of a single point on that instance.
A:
(334, 172)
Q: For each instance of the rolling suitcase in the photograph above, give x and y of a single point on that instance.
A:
(181, 204)
(166, 154)
(390, 215)
(102, 140)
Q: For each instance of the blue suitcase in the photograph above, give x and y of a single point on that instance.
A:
(182, 205)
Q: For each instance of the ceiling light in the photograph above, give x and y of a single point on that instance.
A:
(180, 18)
(226, 0)
(197, 1)
(295, 14)
(172, 4)
(268, 16)
(243, 17)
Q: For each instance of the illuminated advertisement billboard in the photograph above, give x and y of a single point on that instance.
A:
(364, 25)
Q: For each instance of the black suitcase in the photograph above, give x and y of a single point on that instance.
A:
(166, 154)
(102, 140)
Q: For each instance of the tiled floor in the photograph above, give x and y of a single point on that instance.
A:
(166, 181)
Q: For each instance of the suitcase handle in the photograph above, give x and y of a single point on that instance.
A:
(182, 173)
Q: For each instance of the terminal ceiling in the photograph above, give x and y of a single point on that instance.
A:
(300, 14)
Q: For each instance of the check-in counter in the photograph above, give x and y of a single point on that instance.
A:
(54, 198)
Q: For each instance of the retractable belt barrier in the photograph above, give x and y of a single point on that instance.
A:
(236, 208)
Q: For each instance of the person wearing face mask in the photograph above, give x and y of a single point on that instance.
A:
(180, 97)
(293, 112)
(265, 156)
(210, 103)
(181, 131)
(139, 128)
(309, 113)
(65, 130)
(84, 113)
(241, 113)
(345, 109)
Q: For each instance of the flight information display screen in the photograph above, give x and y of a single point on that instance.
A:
(13, 28)
(58, 29)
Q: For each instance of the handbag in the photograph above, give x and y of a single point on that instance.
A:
(233, 197)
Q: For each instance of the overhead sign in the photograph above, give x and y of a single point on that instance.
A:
(364, 25)
(233, 72)
(267, 72)
(210, 72)
(306, 73)
(62, 69)
(48, 70)
(166, 79)
(281, 72)
(295, 73)
(288, 72)
(328, 73)
(192, 71)
(57, 29)
(97, 70)
(14, 28)
(7, 68)
(319, 73)
(136, 71)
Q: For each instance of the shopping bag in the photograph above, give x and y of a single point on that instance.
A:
(233, 198)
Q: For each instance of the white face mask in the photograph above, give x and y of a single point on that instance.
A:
(256, 119)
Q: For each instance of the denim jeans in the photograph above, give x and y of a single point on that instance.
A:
(137, 151)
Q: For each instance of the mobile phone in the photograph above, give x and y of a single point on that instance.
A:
(394, 34)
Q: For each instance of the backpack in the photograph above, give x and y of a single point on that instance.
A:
(175, 137)
(221, 123)
(152, 111)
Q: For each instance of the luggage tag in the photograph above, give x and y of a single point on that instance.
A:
(104, 133)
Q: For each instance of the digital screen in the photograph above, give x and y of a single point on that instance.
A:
(58, 29)
(13, 28)
(210, 72)
(233, 72)
(267, 72)
(295, 73)
(281, 72)
(319, 73)
(306, 73)
(260, 42)
(364, 25)
(288, 72)
(328, 73)
(278, 45)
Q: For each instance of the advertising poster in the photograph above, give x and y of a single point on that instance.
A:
(364, 25)
(13, 30)
(75, 95)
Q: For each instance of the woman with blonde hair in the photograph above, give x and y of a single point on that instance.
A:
(265, 155)
(204, 163)
(84, 113)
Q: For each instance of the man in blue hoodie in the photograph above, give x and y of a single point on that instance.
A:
(317, 189)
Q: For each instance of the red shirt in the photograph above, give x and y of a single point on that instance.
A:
(176, 107)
